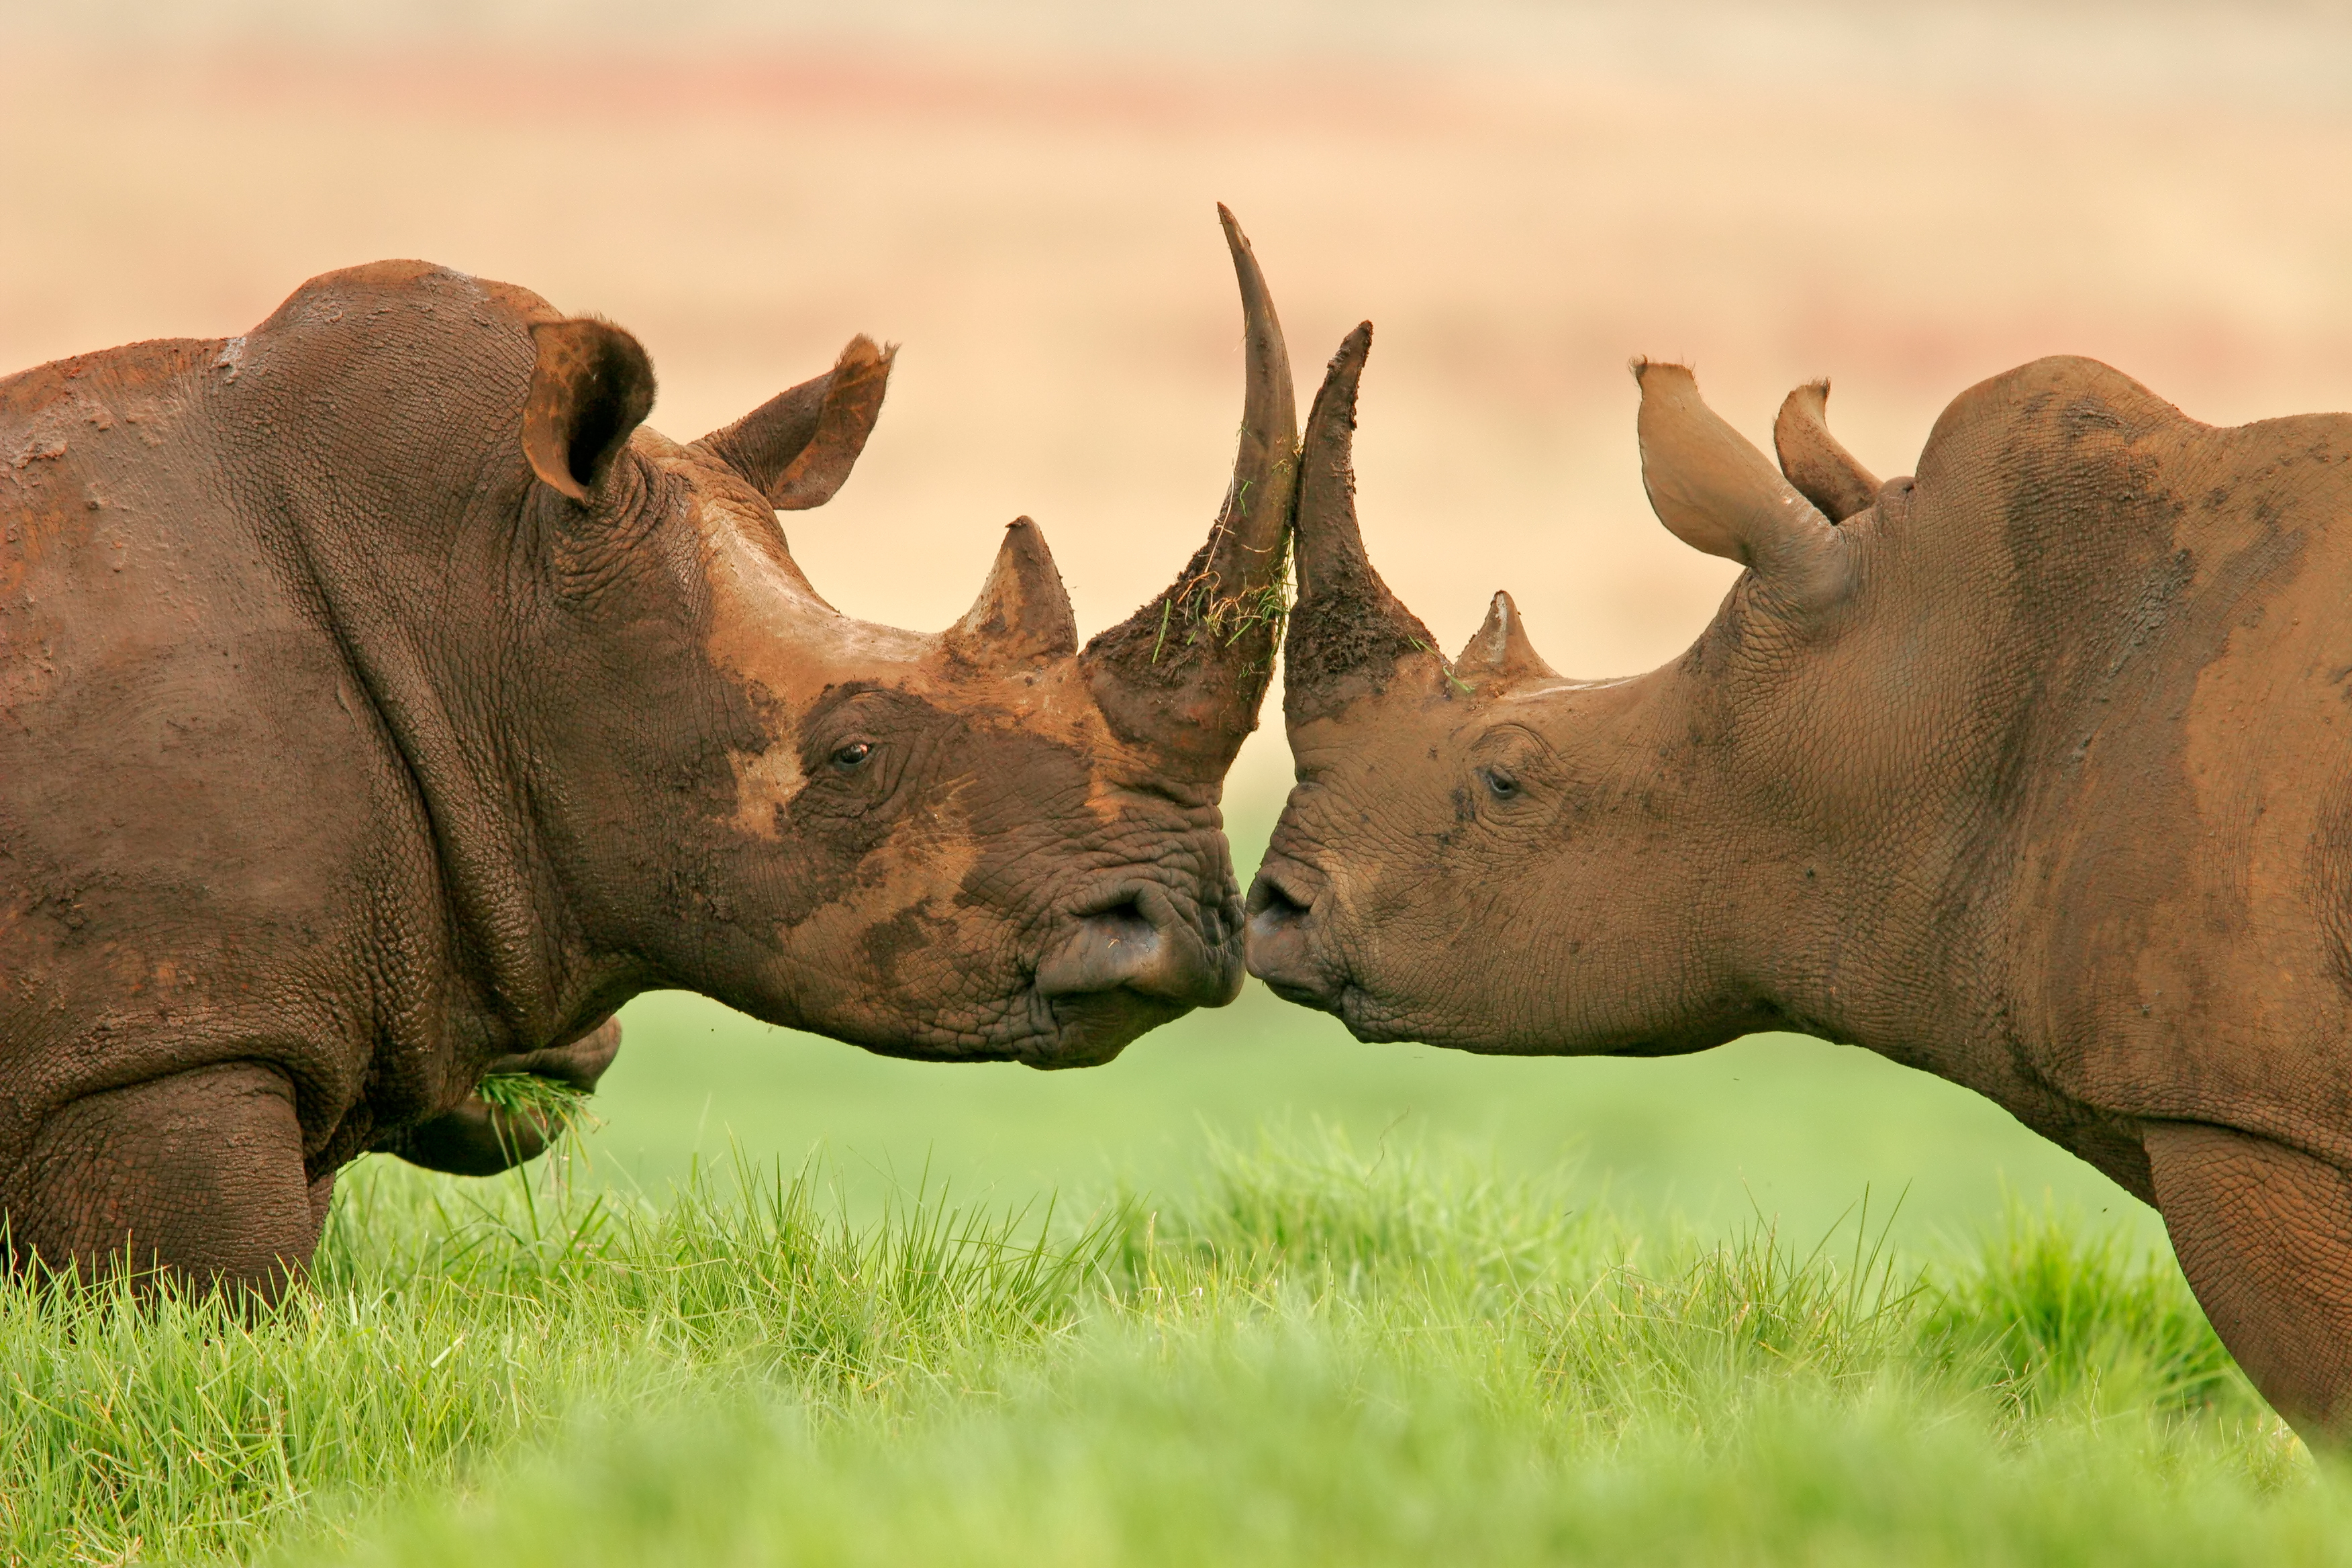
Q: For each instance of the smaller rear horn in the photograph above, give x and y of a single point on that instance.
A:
(1498, 654)
(1022, 611)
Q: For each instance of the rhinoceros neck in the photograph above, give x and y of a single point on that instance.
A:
(512, 932)
(2071, 758)
(395, 486)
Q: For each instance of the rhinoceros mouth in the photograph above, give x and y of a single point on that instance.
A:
(1089, 1030)
(1132, 937)
(1129, 956)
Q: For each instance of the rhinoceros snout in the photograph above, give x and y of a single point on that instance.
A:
(1138, 940)
(1282, 949)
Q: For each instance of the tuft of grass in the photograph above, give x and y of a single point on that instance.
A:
(550, 1104)
(2054, 1315)
(448, 1322)
(1312, 1206)
(1199, 609)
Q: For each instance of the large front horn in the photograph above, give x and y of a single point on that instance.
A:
(1184, 674)
(1347, 631)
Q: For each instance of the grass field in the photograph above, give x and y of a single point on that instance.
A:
(1315, 1353)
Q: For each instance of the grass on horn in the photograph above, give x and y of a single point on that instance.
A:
(1316, 1356)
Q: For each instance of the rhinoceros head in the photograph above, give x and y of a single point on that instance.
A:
(981, 843)
(1482, 853)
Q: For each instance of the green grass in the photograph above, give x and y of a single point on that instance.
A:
(1317, 1353)
(551, 1104)
(1788, 1125)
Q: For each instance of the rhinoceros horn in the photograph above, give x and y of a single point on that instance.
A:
(1815, 461)
(1499, 653)
(1716, 492)
(1185, 673)
(1022, 611)
(1347, 632)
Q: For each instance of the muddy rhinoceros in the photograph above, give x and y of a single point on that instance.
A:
(2033, 772)
(380, 703)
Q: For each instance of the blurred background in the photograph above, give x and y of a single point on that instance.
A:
(1520, 192)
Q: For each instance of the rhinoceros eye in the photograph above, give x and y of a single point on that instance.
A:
(1500, 784)
(850, 755)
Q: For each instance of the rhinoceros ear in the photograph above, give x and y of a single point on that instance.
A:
(1827, 475)
(591, 386)
(798, 447)
(1716, 492)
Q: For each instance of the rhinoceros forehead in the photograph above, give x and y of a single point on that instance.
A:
(770, 629)
(768, 625)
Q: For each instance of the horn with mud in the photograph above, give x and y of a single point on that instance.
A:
(1185, 674)
(1022, 611)
(1349, 634)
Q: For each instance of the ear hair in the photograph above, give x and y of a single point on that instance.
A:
(590, 388)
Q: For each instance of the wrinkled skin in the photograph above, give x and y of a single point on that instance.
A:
(2034, 772)
(381, 706)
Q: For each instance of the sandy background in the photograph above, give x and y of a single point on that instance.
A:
(1520, 196)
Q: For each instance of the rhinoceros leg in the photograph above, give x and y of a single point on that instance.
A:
(2264, 1233)
(199, 1174)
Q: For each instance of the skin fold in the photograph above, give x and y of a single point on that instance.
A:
(382, 705)
(2033, 772)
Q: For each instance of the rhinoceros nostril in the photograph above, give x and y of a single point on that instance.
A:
(1140, 943)
(1272, 905)
(1121, 924)
(1281, 951)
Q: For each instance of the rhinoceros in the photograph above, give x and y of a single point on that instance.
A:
(383, 704)
(2033, 772)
